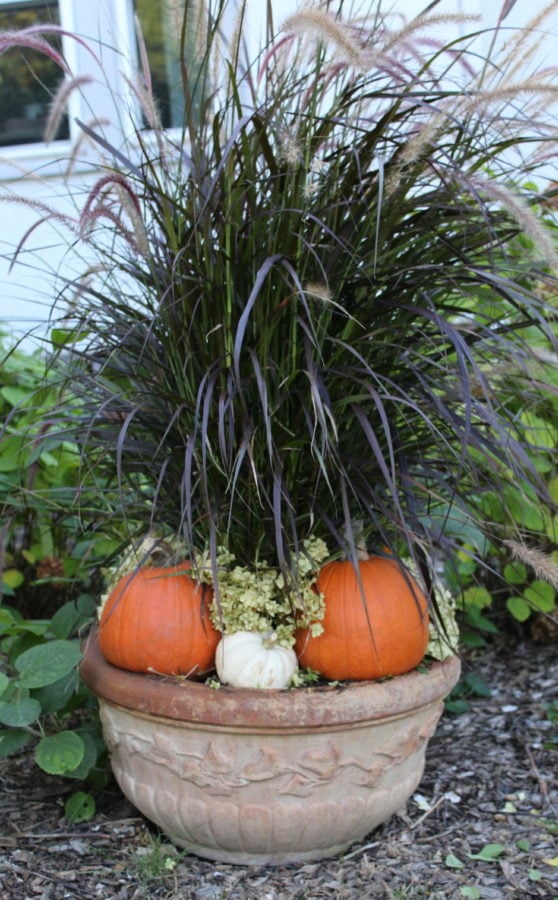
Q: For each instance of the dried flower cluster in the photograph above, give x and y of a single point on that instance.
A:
(257, 598)
(254, 598)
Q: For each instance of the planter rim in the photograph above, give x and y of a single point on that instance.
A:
(309, 707)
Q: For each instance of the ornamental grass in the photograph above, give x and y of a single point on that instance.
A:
(329, 299)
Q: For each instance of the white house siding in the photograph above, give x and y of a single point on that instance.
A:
(27, 291)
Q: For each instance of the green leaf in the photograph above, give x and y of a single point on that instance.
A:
(86, 604)
(12, 741)
(19, 713)
(13, 578)
(471, 893)
(457, 707)
(90, 755)
(478, 596)
(472, 640)
(14, 395)
(9, 615)
(534, 875)
(477, 685)
(540, 432)
(19, 642)
(67, 620)
(80, 807)
(541, 596)
(60, 753)
(466, 567)
(488, 853)
(457, 522)
(523, 844)
(476, 620)
(26, 627)
(46, 458)
(11, 454)
(54, 697)
(519, 608)
(516, 573)
(61, 336)
(453, 862)
(549, 824)
(4, 682)
(46, 663)
(525, 508)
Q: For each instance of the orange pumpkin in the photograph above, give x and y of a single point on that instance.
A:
(157, 619)
(370, 632)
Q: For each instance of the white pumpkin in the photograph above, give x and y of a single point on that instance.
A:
(251, 660)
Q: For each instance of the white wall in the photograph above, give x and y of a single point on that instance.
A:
(26, 293)
(28, 290)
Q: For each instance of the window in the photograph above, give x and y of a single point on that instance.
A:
(28, 79)
(162, 43)
(161, 25)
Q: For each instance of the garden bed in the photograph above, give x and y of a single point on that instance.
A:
(485, 823)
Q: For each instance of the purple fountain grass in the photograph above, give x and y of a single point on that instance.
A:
(315, 302)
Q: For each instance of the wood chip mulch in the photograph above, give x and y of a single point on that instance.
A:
(491, 779)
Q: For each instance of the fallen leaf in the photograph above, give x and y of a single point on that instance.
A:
(488, 853)
(471, 893)
(453, 862)
(534, 875)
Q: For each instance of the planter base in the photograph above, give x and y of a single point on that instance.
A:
(267, 777)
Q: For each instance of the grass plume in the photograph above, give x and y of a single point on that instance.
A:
(324, 26)
(542, 564)
(59, 104)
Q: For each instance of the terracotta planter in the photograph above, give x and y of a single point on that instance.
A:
(247, 776)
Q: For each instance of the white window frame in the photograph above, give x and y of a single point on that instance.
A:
(108, 26)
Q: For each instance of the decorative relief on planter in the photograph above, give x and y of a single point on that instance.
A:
(219, 769)
(240, 786)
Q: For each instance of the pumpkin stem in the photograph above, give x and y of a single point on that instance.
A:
(269, 639)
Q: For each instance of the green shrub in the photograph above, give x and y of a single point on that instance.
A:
(42, 699)
(50, 542)
(49, 566)
(513, 573)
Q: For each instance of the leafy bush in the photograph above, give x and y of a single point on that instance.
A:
(517, 570)
(49, 565)
(42, 699)
(48, 548)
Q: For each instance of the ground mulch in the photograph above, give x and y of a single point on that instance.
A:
(491, 779)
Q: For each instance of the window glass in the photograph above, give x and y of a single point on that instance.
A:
(28, 79)
(161, 24)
